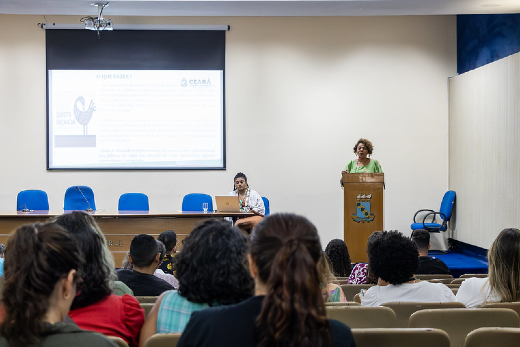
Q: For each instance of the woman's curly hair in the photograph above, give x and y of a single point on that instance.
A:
(212, 267)
(339, 258)
(367, 143)
(392, 257)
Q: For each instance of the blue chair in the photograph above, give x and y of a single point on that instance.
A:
(79, 198)
(133, 202)
(32, 200)
(448, 201)
(193, 202)
(266, 205)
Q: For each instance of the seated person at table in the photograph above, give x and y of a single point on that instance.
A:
(427, 265)
(393, 259)
(249, 201)
(96, 307)
(169, 238)
(211, 270)
(42, 274)
(144, 257)
(288, 309)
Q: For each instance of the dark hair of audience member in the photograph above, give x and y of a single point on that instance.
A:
(339, 258)
(421, 238)
(98, 271)
(392, 257)
(286, 251)
(504, 265)
(38, 257)
(162, 250)
(143, 250)
(218, 252)
(169, 239)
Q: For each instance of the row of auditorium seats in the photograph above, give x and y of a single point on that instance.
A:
(82, 198)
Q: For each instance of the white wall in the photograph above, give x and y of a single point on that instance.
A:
(300, 92)
(485, 150)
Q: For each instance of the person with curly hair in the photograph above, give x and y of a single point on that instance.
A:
(211, 270)
(288, 309)
(393, 259)
(43, 270)
(249, 201)
(339, 258)
(363, 164)
(503, 283)
(96, 307)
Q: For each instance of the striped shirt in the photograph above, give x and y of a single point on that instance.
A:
(175, 312)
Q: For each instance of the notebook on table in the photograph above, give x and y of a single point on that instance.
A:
(227, 203)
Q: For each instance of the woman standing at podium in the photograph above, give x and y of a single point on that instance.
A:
(363, 164)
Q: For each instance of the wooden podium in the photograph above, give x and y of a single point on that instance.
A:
(362, 211)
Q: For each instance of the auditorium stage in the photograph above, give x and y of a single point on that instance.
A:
(120, 227)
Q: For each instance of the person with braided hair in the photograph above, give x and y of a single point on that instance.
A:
(43, 268)
(288, 309)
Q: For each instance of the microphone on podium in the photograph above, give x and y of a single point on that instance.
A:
(89, 209)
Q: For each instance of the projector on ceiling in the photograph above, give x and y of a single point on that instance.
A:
(95, 23)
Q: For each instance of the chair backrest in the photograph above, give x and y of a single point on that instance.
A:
(458, 322)
(193, 202)
(146, 299)
(76, 198)
(345, 303)
(427, 277)
(133, 202)
(401, 337)
(441, 280)
(458, 281)
(485, 337)
(362, 317)
(119, 341)
(515, 306)
(351, 290)
(474, 275)
(403, 310)
(266, 205)
(447, 204)
(163, 340)
(147, 307)
(32, 200)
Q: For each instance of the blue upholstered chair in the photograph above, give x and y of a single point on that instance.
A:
(32, 200)
(79, 198)
(193, 202)
(448, 201)
(133, 202)
(266, 205)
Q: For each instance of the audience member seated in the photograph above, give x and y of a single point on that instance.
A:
(288, 308)
(503, 283)
(338, 257)
(96, 307)
(144, 257)
(41, 277)
(160, 273)
(169, 239)
(331, 292)
(427, 265)
(394, 258)
(211, 270)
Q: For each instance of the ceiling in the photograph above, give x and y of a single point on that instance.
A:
(260, 8)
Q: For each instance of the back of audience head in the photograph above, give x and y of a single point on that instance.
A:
(421, 238)
(99, 264)
(2, 251)
(162, 251)
(338, 258)
(504, 265)
(144, 251)
(40, 275)
(169, 239)
(218, 251)
(285, 260)
(392, 257)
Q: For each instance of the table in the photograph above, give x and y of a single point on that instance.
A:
(120, 227)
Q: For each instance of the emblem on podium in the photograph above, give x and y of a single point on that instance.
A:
(363, 209)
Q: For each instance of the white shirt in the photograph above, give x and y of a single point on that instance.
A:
(253, 201)
(474, 291)
(423, 291)
(167, 277)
